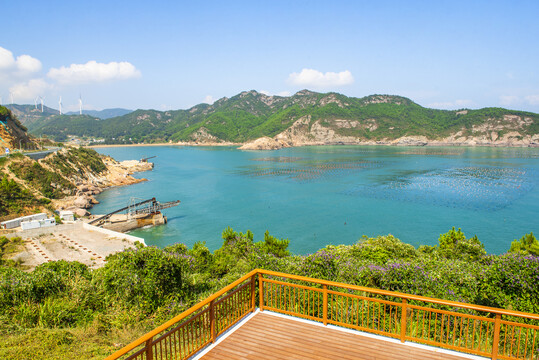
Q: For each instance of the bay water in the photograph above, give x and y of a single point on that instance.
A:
(321, 195)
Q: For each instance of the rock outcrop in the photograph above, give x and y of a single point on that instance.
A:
(13, 134)
(116, 174)
(305, 132)
(265, 143)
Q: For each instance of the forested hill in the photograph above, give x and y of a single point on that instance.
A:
(305, 116)
(32, 116)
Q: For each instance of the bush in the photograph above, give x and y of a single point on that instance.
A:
(382, 248)
(145, 278)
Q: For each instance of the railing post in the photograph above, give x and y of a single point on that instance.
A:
(496, 340)
(149, 349)
(325, 287)
(212, 321)
(403, 320)
(253, 297)
(260, 292)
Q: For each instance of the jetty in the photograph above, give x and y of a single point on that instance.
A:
(135, 215)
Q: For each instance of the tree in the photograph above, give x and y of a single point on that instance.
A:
(528, 245)
(274, 246)
(454, 244)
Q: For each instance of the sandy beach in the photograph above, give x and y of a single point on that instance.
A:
(163, 144)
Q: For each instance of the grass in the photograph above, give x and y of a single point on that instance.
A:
(69, 343)
(9, 247)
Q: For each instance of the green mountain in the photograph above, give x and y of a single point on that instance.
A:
(305, 118)
(31, 114)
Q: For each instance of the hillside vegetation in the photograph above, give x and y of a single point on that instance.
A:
(65, 310)
(32, 116)
(27, 186)
(251, 115)
(13, 134)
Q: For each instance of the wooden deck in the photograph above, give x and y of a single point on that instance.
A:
(269, 336)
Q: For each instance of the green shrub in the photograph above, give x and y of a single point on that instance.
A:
(146, 278)
(382, 248)
(454, 245)
(527, 244)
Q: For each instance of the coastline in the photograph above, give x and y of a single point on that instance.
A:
(360, 143)
(118, 174)
(164, 144)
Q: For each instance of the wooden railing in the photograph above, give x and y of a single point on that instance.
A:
(189, 332)
(474, 329)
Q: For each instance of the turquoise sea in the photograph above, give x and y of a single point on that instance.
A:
(322, 195)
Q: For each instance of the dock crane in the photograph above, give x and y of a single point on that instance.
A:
(147, 158)
(150, 206)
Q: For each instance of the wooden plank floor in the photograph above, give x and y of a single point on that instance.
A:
(266, 336)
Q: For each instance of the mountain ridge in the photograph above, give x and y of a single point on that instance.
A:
(103, 114)
(306, 118)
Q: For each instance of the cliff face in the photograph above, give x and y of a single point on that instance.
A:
(13, 134)
(508, 130)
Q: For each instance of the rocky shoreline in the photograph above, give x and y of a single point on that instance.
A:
(117, 174)
(274, 144)
(319, 135)
(268, 143)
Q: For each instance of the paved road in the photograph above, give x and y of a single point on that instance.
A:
(36, 155)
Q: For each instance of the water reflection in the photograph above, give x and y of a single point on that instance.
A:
(474, 188)
(301, 170)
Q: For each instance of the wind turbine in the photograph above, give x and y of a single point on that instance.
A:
(80, 104)
(35, 102)
(42, 98)
(11, 95)
(60, 104)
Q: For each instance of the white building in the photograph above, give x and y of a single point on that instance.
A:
(67, 215)
(10, 224)
(34, 224)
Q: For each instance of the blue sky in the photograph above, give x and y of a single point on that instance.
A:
(173, 54)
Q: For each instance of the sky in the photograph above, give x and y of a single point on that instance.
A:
(168, 55)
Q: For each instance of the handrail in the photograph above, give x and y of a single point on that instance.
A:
(327, 306)
(479, 335)
(177, 318)
(403, 295)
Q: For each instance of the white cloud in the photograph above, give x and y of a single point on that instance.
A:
(22, 66)
(457, 104)
(532, 99)
(93, 71)
(508, 100)
(7, 60)
(208, 99)
(281, 93)
(316, 79)
(28, 64)
(28, 91)
(463, 102)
